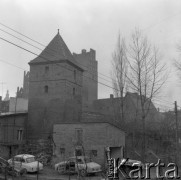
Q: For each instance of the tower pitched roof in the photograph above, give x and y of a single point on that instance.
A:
(56, 50)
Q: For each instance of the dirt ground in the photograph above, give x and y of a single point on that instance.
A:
(50, 174)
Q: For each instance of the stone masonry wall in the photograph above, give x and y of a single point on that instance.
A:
(95, 136)
(61, 102)
(87, 61)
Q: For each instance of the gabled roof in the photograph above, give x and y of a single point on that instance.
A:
(56, 51)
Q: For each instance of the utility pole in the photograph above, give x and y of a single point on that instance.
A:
(176, 133)
(13, 134)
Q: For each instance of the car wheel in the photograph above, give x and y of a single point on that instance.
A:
(23, 171)
(60, 170)
(83, 173)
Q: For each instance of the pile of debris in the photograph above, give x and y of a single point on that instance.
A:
(42, 150)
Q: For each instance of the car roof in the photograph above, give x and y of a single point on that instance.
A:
(24, 155)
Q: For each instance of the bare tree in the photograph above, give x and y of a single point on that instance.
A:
(146, 75)
(139, 68)
(119, 70)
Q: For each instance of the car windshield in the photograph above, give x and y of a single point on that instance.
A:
(30, 159)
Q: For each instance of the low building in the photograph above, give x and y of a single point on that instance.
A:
(12, 132)
(87, 138)
(4, 105)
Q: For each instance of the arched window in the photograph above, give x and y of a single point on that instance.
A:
(46, 89)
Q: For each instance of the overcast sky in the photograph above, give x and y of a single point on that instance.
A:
(86, 24)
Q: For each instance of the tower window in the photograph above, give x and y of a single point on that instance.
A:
(46, 69)
(73, 91)
(75, 74)
(46, 89)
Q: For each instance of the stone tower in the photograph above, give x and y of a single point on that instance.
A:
(55, 89)
(90, 76)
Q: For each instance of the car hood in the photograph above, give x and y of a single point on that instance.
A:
(93, 165)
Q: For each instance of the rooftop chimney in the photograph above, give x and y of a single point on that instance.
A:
(83, 51)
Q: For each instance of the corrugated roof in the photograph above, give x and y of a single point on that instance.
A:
(55, 51)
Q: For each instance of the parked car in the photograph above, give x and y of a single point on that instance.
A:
(27, 162)
(79, 164)
(5, 167)
(131, 162)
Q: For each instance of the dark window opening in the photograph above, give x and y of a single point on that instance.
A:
(20, 135)
(75, 75)
(46, 69)
(78, 152)
(73, 91)
(94, 153)
(46, 89)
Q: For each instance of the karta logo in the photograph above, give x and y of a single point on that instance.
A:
(137, 170)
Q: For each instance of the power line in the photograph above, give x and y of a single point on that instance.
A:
(59, 65)
(86, 76)
(51, 61)
(13, 65)
(22, 34)
(48, 48)
(59, 79)
(41, 49)
(149, 27)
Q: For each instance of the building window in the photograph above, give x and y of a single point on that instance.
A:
(94, 153)
(75, 74)
(79, 136)
(20, 135)
(78, 152)
(73, 91)
(62, 151)
(46, 69)
(46, 89)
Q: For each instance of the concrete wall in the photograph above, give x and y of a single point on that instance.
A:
(96, 136)
(87, 61)
(59, 104)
